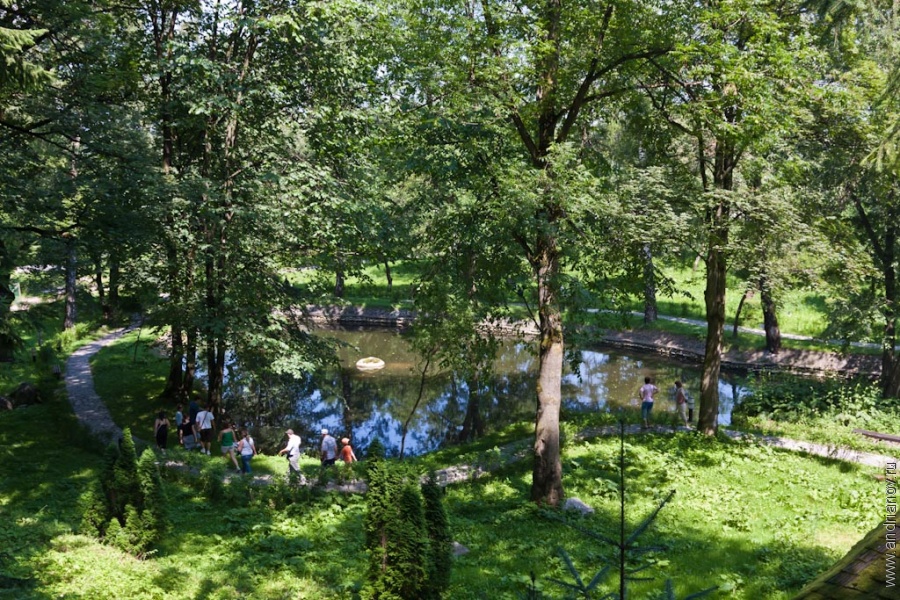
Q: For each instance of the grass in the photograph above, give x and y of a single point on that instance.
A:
(801, 312)
(739, 518)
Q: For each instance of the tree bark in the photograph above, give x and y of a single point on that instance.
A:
(101, 291)
(651, 312)
(388, 275)
(714, 297)
(71, 280)
(114, 277)
(546, 484)
(339, 283)
(770, 317)
(737, 314)
(190, 363)
(718, 217)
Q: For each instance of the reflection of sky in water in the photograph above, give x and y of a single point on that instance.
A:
(365, 406)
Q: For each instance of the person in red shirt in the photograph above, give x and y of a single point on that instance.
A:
(347, 454)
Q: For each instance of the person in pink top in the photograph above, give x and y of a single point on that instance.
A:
(646, 395)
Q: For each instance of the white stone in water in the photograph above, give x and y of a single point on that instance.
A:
(459, 549)
(578, 505)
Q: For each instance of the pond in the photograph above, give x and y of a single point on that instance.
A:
(376, 404)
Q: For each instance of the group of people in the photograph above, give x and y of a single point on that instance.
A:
(328, 452)
(684, 403)
(200, 425)
(196, 429)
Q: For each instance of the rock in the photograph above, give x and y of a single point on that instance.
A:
(25, 395)
(459, 549)
(6, 403)
(577, 505)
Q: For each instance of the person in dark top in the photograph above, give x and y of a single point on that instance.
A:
(161, 430)
(188, 440)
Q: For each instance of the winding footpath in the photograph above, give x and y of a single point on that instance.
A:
(87, 405)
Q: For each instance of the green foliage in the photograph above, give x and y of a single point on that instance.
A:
(396, 535)
(440, 550)
(630, 558)
(849, 404)
(375, 451)
(211, 474)
(127, 508)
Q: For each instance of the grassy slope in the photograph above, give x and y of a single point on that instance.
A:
(741, 516)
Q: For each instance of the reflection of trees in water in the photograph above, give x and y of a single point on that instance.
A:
(364, 406)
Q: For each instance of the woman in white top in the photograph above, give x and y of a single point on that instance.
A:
(247, 450)
(646, 394)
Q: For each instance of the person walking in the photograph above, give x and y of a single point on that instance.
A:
(328, 449)
(186, 435)
(347, 454)
(247, 449)
(645, 393)
(226, 442)
(179, 421)
(205, 423)
(681, 404)
(292, 450)
(161, 431)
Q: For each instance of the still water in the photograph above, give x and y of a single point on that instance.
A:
(366, 405)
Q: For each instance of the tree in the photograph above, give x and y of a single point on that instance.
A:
(524, 79)
(734, 81)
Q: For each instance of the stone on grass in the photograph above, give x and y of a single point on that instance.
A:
(459, 549)
(578, 506)
(25, 395)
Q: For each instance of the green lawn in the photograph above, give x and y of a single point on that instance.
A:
(740, 518)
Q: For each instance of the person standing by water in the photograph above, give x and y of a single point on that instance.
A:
(161, 431)
(226, 442)
(347, 454)
(247, 449)
(681, 402)
(645, 393)
(328, 450)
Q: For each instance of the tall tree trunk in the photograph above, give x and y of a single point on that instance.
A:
(770, 317)
(114, 278)
(718, 218)
(890, 370)
(175, 379)
(101, 291)
(737, 314)
(388, 275)
(190, 363)
(71, 280)
(215, 366)
(339, 283)
(546, 485)
(715, 325)
(651, 311)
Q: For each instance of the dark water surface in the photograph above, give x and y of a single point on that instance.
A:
(366, 405)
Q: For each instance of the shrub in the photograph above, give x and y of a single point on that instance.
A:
(127, 507)
(396, 535)
(440, 552)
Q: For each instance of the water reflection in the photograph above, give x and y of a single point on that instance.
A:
(370, 405)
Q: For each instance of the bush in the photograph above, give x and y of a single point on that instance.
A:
(396, 535)
(127, 507)
(851, 404)
(440, 552)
